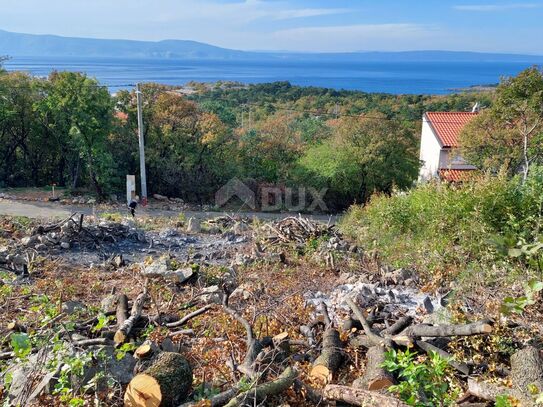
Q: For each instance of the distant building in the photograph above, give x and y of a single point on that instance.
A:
(439, 148)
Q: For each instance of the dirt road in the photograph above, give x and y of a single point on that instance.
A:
(55, 210)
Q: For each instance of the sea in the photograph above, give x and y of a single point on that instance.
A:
(393, 77)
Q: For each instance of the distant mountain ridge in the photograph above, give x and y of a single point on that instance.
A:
(32, 45)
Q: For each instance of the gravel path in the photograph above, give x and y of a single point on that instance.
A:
(55, 210)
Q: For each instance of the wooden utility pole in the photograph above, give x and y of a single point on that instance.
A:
(142, 147)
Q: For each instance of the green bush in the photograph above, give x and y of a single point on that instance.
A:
(441, 227)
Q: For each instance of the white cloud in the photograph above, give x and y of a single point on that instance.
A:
(365, 37)
(495, 7)
(246, 11)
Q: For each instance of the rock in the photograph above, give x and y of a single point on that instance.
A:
(113, 198)
(41, 247)
(242, 293)
(163, 268)
(242, 260)
(117, 261)
(159, 197)
(168, 345)
(194, 226)
(212, 295)
(428, 306)
(23, 388)
(71, 307)
(91, 201)
(65, 245)
(121, 370)
(29, 241)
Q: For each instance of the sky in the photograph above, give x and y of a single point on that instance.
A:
(293, 25)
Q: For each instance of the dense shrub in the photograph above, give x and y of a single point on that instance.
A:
(445, 228)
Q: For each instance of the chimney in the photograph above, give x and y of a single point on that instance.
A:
(476, 108)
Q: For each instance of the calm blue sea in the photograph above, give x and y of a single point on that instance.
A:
(390, 77)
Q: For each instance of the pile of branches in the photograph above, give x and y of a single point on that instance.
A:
(298, 230)
(228, 221)
(526, 372)
(74, 230)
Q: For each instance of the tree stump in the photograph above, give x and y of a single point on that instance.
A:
(166, 382)
(527, 370)
(375, 377)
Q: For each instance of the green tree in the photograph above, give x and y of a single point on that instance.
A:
(364, 156)
(78, 112)
(510, 133)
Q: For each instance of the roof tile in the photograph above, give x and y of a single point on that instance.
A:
(448, 125)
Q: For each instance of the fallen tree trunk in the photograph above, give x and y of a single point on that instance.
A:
(260, 392)
(331, 356)
(375, 377)
(166, 382)
(360, 397)
(126, 327)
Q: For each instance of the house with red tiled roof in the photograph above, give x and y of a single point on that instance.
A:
(439, 147)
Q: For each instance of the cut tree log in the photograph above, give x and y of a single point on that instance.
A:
(434, 331)
(375, 377)
(144, 351)
(260, 392)
(166, 382)
(330, 358)
(360, 397)
(491, 391)
(121, 312)
(126, 327)
(527, 370)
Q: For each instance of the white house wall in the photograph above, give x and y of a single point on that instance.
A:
(430, 150)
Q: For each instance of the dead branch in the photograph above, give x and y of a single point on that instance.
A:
(428, 347)
(372, 336)
(261, 392)
(188, 317)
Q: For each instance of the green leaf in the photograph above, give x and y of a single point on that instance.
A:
(20, 342)
(515, 252)
(535, 286)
